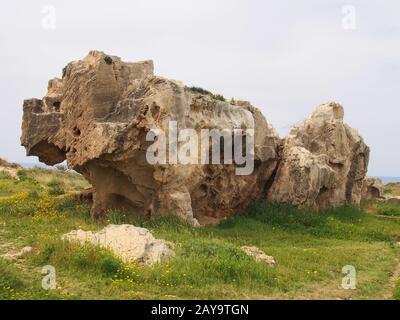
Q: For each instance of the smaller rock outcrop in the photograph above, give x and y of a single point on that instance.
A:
(323, 162)
(9, 168)
(155, 147)
(392, 200)
(16, 255)
(99, 117)
(258, 255)
(130, 243)
(372, 188)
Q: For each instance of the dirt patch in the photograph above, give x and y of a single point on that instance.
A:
(391, 285)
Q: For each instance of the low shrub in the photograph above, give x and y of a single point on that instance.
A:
(388, 209)
(79, 258)
(10, 281)
(396, 294)
(20, 204)
(56, 187)
(219, 97)
(5, 175)
(109, 266)
(22, 174)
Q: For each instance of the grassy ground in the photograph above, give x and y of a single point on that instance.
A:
(392, 189)
(310, 250)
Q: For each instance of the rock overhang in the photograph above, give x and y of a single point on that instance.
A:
(99, 114)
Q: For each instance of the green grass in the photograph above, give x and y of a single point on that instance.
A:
(56, 187)
(396, 294)
(392, 189)
(4, 175)
(16, 285)
(310, 249)
(10, 186)
(388, 209)
(69, 179)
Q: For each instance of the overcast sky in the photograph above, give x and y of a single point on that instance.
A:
(286, 57)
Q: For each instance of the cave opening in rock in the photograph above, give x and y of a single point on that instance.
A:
(120, 203)
(76, 131)
(57, 105)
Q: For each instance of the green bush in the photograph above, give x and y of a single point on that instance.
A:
(22, 174)
(109, 266)
(116, 217)
(10, 280)
(344, 222)
(5, 175)
(219, 97)
(20, 204)
(396, 294)
(387, 191)
(284, 215)
(388, 209)
(56, 187)
(45, 254)
(87, 259)
(83, 259)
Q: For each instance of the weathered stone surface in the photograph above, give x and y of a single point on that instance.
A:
(97, 117)
(258, 255)
(16, 255)
(392, 200)
(324, 162)
(83, 196)
(130, 243)
(372, 188)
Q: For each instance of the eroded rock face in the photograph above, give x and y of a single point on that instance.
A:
(372, 188)
(258, 255)
(324, 162)
(97, 118)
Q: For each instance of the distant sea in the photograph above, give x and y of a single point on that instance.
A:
(389, 179)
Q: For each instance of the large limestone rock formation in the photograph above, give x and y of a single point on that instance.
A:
(323, 163)
(97, 117)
